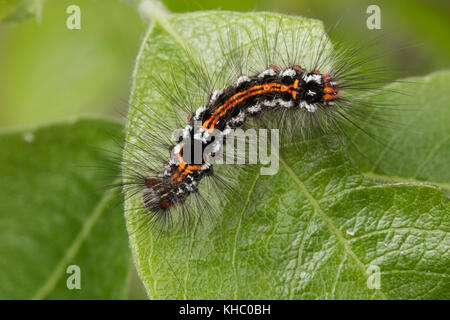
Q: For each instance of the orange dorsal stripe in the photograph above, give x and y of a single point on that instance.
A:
(184, 169)
(250, 92)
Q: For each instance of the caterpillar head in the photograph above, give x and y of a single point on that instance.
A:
(318, 90)
(330, 90)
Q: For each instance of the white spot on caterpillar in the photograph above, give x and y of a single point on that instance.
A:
(311, 93)
(268, 72)
(241, 80)
(215, 95)
(278, 102)
(191, 186)
(270, 103)
(238, 119)
(317, 78)
(286, 104)
(254, 109)
(307, 106)
(289, 73)
(198, 112)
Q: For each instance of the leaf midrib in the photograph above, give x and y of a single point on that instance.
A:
(327, 220)
(72, 251)
(376, 176)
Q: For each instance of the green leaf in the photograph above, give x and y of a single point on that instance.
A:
(20, 10)
(315, 230)
(53, 213)
(418, 149)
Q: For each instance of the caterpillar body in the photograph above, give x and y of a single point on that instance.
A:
(272, 89)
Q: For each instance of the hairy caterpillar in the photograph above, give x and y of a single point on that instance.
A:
(228, 109)
(280, 74)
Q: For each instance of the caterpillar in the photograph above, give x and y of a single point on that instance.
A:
(227, 109)
(278, 74)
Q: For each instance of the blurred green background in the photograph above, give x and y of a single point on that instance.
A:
(48, 72)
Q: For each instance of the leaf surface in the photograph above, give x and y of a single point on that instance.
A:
(417, 149)
(53, 213)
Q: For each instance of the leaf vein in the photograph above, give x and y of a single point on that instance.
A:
(328, 221)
